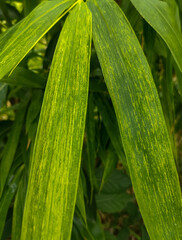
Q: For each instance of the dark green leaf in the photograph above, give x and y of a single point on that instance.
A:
(10, 148)
(24, 77)
(140, 118)
(8, 195)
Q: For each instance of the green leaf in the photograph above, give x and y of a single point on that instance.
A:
(110, 123)
(168, 101)
(80, 203)
(24, 77)
(91, 148)
(21, 38)
(3, 92)
(18, 209)
(145, 235)
(124, 234)
(112, 203)
(83, 229)
(10, 148)
(110, 160)
(30, 5)
(116, 183)
(8, 195)
(163, 16)
(142, 126)
(55, 165)
(109, 236)
(96, 228)
(34, 112)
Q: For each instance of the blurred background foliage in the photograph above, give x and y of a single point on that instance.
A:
(106, 208)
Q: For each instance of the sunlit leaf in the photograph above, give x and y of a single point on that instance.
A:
(55, 167)
(21, 38)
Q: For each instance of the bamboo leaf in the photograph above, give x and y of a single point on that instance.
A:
(110, 160)
(3, 92)
(91, 148)
(10, 148)
(30, 5)
(8, 195)
(18, 209)
(110, 123)
(163, 16)
(142, 126)
(24, 77)
(80, 203)
(21, 38)
(54, 175)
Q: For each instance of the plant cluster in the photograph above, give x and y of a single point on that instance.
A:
(90, 120)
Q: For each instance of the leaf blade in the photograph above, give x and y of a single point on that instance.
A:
(141, 121)
(21, 38)
(51, 194)
(161, 15)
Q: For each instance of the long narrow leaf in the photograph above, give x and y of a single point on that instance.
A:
(8, 195)
(10, 148)
(110, 122)
(141, 121)
(18, 210)
(3, 92)
(24, 77)
(54, 175)
(91, 149)
(21, 38)
(163, 16)
(30, 5)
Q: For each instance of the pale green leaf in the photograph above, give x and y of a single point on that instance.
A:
(142, 126)
(55, 166)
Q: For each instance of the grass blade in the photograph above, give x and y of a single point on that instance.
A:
(142, 126)
(54, 175)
